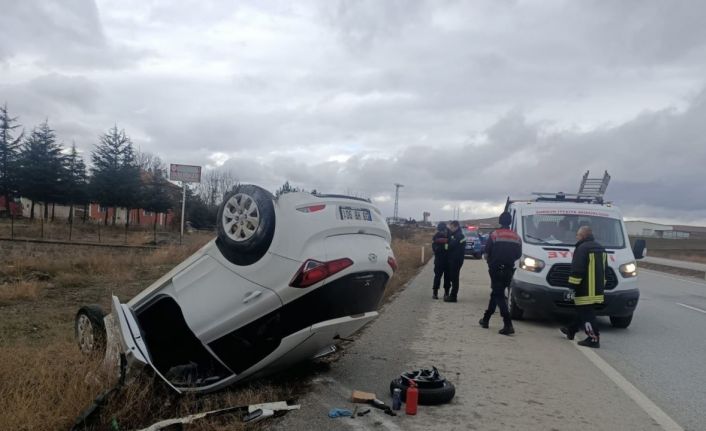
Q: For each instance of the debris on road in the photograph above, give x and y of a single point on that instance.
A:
(362, 397)
(339, 413)
(255, 413)
(433, 388)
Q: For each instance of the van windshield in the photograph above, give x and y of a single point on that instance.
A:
(560, 229)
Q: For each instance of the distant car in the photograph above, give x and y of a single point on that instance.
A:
(474, 244)
(286, 279)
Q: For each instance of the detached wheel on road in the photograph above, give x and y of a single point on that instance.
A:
(621, 321)
(90, 329)
(433, 389)
(246, 224)
(516, 312)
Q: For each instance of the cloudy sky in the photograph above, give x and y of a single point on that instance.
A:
(463, 102)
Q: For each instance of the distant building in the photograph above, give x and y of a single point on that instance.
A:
(15, 208)
(97, 213)
(657, 230)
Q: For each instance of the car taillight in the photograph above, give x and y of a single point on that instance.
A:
(312, 271)
(312, 208)
(393, 263)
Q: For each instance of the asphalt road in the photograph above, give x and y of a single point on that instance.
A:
(663, 352)
(535, 380)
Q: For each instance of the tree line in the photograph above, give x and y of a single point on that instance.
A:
(34, 165)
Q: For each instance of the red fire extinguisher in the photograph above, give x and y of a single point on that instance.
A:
(411, 398)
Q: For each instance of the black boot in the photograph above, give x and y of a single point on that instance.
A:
(507, 327)
(594, 343)
(568, 332)
(484, 321)
(435, 294)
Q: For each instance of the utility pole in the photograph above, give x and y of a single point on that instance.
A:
(397, 200)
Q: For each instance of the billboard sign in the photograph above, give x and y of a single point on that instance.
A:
(185, 173)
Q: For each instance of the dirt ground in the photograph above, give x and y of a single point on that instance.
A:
(43, 384)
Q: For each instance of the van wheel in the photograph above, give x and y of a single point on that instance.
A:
(246, 224)
(90, 329)
(516, 312)
(620, 321)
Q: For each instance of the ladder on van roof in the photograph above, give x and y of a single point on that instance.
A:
(591, 190)
(595, 187)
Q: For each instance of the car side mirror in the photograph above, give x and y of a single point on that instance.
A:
(639, 250)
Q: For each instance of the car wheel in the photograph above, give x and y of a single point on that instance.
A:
(516, 312)
(427, 396)
(89, 329)
(246, 224)
(620, 321)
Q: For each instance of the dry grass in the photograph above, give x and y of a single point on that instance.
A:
(43, 384)
(407, 246)
(20, 290)
(43, 388)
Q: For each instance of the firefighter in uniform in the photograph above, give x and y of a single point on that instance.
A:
(439, 245)
(456, 256)
(503, 248)
(588, 281)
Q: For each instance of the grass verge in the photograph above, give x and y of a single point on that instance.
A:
(45, 383)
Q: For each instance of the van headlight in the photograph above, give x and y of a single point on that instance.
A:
(628, 270)
(531, 264)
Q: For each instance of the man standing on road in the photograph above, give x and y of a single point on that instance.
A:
(502, 249)
(457, 249)
(439, 245)
(588, 281)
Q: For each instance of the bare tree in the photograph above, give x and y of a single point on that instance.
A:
(215, 183)
(152, 163)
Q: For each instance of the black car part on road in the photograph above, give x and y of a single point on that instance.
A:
(433, 388)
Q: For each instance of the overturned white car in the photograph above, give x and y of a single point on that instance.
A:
(284, 281)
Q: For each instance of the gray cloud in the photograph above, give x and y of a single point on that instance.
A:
(463, 102)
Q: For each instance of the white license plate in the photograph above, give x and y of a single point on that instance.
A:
(569, 296)
(348, 213)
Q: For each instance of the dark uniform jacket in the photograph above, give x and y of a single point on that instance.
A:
(439, 245)
(588, 272)
(502, 249)
(457, 247)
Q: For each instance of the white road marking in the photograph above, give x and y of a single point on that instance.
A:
(661, 274)
(692, 308)
(656, 413)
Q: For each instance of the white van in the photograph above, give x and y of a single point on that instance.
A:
(547, 226)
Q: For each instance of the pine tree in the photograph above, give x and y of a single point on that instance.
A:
(115, 179)
(9, 154)
(75, 190)
(156, 194)
(40, 167)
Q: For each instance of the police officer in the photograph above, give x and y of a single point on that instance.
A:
(503, 248)
(457, 249)
(588, 281)
(439, 245)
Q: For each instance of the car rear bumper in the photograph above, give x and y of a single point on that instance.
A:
(529, 296)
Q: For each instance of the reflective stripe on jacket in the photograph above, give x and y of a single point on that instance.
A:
(588, 272)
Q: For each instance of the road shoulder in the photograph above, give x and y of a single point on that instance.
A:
(533, 380)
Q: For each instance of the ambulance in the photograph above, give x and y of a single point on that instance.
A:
(547, 226)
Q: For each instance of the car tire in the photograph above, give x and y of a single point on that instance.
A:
(89, 329)
(246, 224)
(516, 312)
(427, 396)
(621, 322)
